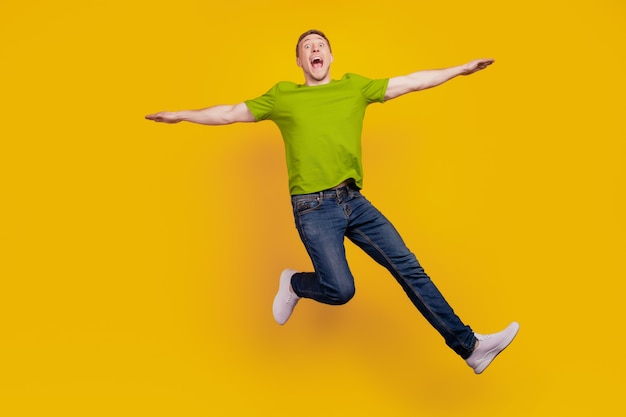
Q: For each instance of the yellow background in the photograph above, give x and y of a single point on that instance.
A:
(139, 260)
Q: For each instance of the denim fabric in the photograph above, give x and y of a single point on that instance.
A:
(324, 218)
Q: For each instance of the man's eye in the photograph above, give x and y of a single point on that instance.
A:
(321, 45)
(307, 46)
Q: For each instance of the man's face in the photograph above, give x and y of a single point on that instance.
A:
(315, 59)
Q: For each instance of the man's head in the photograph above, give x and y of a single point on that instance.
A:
(314, 56)
(308, 33)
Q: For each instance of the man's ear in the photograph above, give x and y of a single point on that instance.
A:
(298, 62)
(332, 58)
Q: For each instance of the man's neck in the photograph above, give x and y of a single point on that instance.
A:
(310, 82)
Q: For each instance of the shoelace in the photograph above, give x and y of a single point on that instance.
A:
(292, 299)
(483, 336)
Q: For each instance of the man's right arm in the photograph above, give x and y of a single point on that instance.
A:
(213, 116)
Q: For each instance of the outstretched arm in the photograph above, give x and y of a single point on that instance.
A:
(216, 115)
(422, 80)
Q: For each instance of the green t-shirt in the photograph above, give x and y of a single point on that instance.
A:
(321, 127)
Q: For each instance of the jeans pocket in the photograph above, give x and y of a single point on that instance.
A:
(303, 205)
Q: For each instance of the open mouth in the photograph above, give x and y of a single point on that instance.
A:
(317, 62)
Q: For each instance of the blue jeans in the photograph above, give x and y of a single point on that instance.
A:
(324, 218)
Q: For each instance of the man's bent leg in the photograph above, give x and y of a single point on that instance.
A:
(321, 223)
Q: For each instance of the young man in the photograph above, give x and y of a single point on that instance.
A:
(321, 122)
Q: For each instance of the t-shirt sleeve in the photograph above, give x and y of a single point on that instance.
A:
(373, 90)
(262, 107)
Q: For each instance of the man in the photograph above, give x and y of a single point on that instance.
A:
(321, 122)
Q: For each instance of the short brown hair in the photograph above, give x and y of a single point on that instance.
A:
(311, 32)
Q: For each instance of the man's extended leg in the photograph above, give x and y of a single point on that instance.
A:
(372, 232)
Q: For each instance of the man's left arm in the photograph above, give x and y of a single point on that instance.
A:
(421, 80)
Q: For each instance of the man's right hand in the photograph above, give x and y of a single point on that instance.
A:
(165, 117)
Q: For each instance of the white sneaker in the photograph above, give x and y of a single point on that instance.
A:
(489, 346)
(285, 300)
